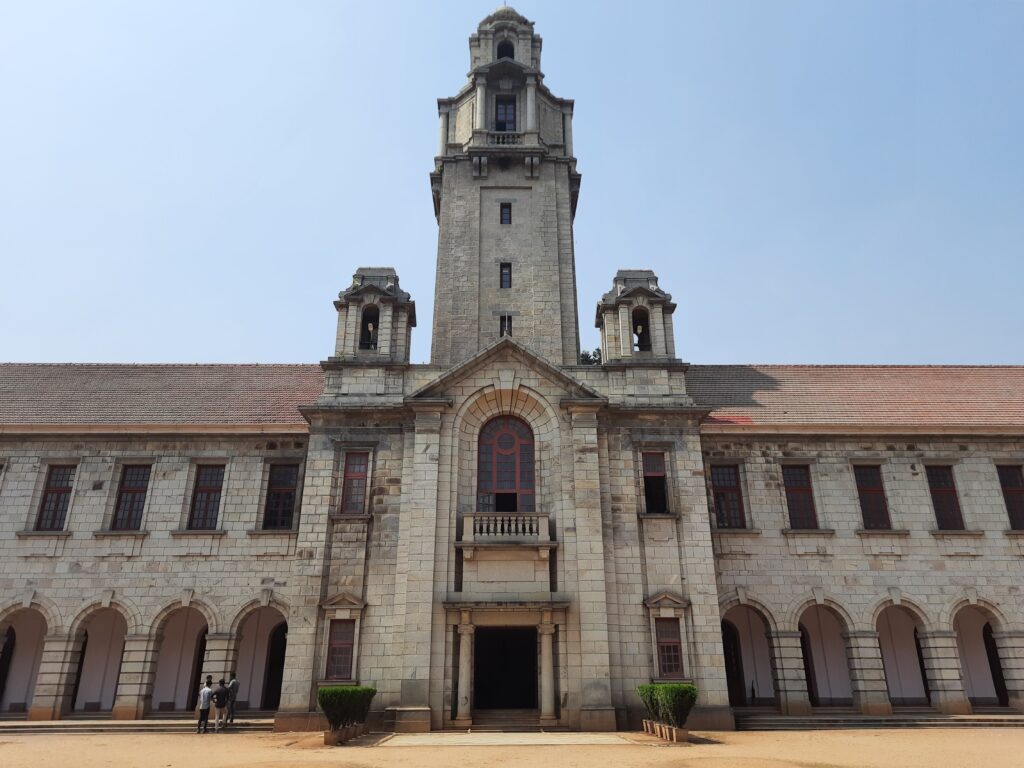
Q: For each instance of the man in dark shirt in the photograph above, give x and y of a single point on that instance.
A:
(220, 702)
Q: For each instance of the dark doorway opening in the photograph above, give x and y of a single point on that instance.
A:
(812, 681)
(505, 668)
(197, 670)
(733, 665)
(6, 656)
(275, 667)
(998, 680)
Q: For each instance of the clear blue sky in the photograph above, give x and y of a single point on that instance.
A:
(813, 181)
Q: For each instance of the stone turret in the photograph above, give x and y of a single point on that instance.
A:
(375, 318)
(635, 319)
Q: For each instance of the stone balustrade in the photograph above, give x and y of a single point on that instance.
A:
(528, 527)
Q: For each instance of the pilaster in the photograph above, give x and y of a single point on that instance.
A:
(546, 629)
(788, 673)
(464, 712)
(867, 673)
(1011, 657)
(57, 667)
(942, 667)
(220, 656)
(135, 683)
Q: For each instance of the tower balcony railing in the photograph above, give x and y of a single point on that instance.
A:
(483, 139)
(505, 527)
(504, 138)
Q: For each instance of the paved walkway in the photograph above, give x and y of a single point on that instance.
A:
(490, 739)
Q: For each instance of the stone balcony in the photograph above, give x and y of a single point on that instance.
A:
(506, 530)
(529, 141)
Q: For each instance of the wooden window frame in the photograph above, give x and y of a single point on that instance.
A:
(130, 504)
(720, 493)
(1013, 493)
(942, 495)
(505, 214)
(200, 489)
(669, 647)
(505, 107)
(48, 519)
(654, 463)
(281, 491)
(332, 645)
(793, 493)
(867, 493)
(514, 458)
(505, 274)
(354, 481)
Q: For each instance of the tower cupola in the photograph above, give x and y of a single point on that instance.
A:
(635, 319)
(375, 318)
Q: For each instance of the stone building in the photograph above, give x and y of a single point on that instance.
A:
(504, 534)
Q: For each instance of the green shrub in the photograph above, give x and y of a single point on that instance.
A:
(345, 705)
(649, 697)
(675, 700)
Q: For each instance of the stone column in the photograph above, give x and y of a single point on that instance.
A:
(384, 331)
(414, 575)
(531, 103)
(867, 673)
(220, 656)
(657, 331)
(1011, 658)
(788, 673)
(442, 138)
(567, 122)
(596, 710)
(942, 666)
(546, 629)
(464, 712)
(135, 684)
(51, 699)
(625, 331)
(481, 104)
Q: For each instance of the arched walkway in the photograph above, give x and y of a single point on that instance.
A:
(826, 663)
(102, 647)
(21, 649)
(179, 660)
(748, 662)
(980, 664)
(261, 646)
(899, 637)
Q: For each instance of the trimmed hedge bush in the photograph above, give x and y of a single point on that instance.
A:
(345, 705)
(668, 703)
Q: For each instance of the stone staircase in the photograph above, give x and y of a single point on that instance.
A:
(902, 717)
(508, 721)
(172, 723)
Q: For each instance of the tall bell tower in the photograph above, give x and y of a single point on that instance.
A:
(505, 187)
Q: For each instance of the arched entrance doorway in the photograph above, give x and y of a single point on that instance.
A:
(262, 639)
(980, 665)
(21, 649)
(179, 661)
(905, 678)
(102, 636)
(748, 664)
(825, 659)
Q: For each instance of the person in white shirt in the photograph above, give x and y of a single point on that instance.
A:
(205, 696)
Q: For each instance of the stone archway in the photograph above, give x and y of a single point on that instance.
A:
(825, 658)
(261, 643)
(21, 650)
(980, 662)
(899, 637)
(103, 634)
(749, 666)
(179, 660)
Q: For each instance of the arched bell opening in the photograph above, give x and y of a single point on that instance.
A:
(369, 325)
(641, 330)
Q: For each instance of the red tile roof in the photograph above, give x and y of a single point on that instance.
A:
(181, 395)
(852, 396)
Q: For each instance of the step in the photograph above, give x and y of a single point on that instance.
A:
(80, 726)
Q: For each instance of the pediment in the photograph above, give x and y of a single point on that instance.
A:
(506, 67)
(505, 349)
(343, 600)
(667, 599)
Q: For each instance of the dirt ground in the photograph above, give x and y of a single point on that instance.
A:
(814, 749)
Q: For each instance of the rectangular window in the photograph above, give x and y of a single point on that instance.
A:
(342, 635)
(670, 648)
(873, 506)
(799, 496)
(206, 497)
(655, 489)
(505, 325)
(725, 487)
(281, 494)
(506, 275)
(353, 490)
(1012, 481)
(56, 496)
(131, 498)
(505, 113)
(944, 498)
(506, 217)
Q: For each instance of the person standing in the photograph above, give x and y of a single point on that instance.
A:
(205, 695)
(220, 702)
(233, 687)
